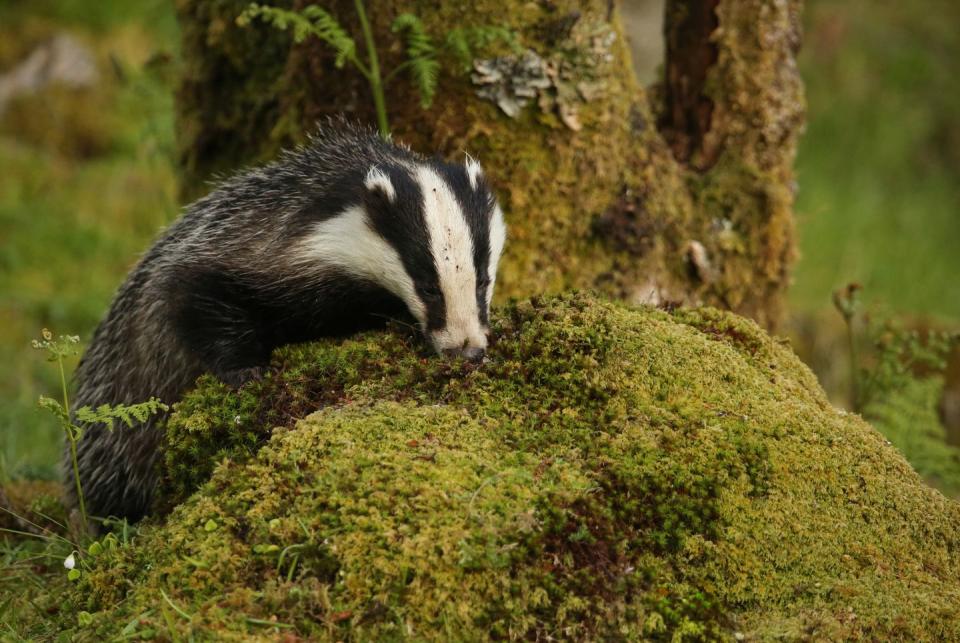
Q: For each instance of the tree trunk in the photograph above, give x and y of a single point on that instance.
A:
(680, 195)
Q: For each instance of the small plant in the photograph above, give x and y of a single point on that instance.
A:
(847, 302)
(422, 54)
(901, 356)
(897, 382)
(57, 350)
(898, 355)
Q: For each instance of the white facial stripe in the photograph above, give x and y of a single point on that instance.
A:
(498, 237)
(474, 171)
(378, 180)
(347, 242)
(452, 249)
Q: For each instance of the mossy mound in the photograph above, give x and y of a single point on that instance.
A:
(608, 473)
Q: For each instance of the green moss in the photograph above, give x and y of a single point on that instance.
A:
(608, 473)
(745, 194)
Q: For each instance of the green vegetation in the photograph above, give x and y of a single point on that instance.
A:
(879, 198)
(897, 384)
(608, 472)
(422, 61)
(316, 21)
(87, 181)
(908, 417)
(58, 350)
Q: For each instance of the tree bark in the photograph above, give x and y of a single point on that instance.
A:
(682, 194)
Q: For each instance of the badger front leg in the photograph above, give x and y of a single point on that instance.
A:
(229, 349)
(238, 377)
(218, 322)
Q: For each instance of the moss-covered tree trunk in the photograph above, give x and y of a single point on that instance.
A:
(682, 194)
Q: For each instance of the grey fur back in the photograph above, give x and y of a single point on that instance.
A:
(243, 227)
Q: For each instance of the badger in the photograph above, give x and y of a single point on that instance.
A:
(334, 237)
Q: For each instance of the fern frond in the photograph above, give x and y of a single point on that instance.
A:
(54, 407)
(422, 56)
(464, 42)
(106, 414)
(459, 46)
(281, 19)
(312, 21)
(326, 27)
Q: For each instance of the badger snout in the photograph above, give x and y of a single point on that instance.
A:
(468, 344)
(469, 353)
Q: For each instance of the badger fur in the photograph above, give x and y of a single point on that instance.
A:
(332, 238)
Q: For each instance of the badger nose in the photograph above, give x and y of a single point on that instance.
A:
(469, 353)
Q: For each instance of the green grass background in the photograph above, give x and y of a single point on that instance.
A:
(879, 166)
(87, 178)
(86, 181)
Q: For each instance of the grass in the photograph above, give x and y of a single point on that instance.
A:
(879, 199)
(87, 181)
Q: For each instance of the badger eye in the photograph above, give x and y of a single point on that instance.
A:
(430, 293)
(483, 284)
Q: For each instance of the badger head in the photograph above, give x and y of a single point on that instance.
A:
(431, 233)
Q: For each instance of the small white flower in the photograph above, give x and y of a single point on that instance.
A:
(70, 561)
(236, 420)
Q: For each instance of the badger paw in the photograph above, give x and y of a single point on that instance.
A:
(237, 377)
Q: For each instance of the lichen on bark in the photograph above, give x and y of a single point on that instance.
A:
(595, 192)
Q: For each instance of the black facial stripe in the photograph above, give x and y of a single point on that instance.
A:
(477, 206)
(402, 223)
(317, 207)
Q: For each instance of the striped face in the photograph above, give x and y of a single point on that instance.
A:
(432, 234)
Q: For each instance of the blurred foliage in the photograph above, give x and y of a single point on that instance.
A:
(900, 385)
(879, 204)
(908, 417)
(87, 181)
(879, 166)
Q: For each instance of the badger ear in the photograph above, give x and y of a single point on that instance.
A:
(474, 171)
(378, 181)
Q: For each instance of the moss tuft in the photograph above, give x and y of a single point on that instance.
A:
(608, 473)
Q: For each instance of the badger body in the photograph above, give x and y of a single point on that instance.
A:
(333, 237)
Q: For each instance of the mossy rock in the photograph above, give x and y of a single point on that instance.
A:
(608, 473)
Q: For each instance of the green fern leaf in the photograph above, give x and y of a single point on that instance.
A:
(465, 42)
(313, 21)
(422, 56)
(106, 414)
(326, 27)
(459, 46)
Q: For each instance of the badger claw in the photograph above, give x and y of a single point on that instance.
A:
(237, 377)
